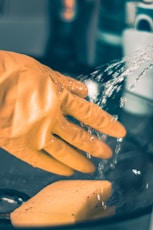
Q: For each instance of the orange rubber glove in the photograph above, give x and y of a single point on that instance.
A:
(34, 102)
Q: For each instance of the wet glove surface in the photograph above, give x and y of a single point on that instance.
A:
(34, 103)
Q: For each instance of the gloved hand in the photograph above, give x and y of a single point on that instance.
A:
(34, 102)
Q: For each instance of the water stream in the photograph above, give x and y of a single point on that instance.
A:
(106, 83)
(132, 171)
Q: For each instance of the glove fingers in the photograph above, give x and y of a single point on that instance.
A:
(81, 139)
(44, 161)
(66, 154)
(92, 115)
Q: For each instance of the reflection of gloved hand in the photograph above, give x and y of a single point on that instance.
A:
(33, 103)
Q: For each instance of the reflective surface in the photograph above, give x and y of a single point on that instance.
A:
(9, 200)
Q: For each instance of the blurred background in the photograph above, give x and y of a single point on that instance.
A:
(71, 36)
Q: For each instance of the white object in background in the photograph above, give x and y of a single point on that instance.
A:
(136, 99)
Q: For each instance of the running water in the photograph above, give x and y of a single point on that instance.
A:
(130, 173)
(107, 81)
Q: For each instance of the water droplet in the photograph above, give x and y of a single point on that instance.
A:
(104, 205)
(103, 101)
(98, 196)
(59, 91)
(103, 137)
(147, 185)
(89, 130)
(119, 139)
(88, 155)
(92, 138)
(115, 117)
(122, 101)
(70, 82)
(136, 172)
(82, 125)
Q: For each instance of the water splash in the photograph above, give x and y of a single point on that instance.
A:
(108, 78)
(107, 81)
(130, 172)
(116, 151)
